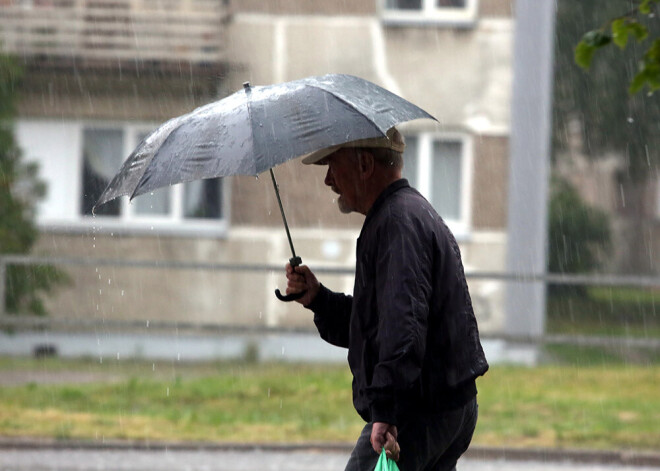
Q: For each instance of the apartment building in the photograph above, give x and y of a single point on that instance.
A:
(101, 74)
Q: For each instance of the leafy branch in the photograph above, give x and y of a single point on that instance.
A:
(618, 31)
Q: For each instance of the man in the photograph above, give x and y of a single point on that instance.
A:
(412, 337)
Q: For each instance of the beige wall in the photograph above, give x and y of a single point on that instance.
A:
(305, 7)
(196, 296)
(490, 183)
(114, 93)
(487, 8)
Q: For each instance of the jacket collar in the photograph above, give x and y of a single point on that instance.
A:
(392, 188)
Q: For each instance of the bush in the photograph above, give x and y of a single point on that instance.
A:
(579, 235)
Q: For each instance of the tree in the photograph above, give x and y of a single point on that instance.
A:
(613, 121)
(20, 189)
(618, 31)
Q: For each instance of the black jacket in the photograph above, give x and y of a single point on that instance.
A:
(412, 337)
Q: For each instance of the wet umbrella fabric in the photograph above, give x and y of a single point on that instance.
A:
(257, 128)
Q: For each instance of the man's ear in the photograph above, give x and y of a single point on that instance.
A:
(366, 164)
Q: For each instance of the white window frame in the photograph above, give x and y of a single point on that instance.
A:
(450, 16)
(461, 227)
(128, 221)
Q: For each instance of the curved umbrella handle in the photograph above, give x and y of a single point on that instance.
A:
(294, 262)
(289, 297)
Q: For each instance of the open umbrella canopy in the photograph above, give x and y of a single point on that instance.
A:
(258, 128)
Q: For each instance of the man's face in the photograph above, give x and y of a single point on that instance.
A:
(343, 178)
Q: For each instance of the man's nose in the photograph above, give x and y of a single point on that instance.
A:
(328, 177)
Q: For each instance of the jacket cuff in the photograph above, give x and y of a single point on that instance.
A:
(321, 299)
(384, 412)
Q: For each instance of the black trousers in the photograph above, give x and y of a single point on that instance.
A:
(432, 442)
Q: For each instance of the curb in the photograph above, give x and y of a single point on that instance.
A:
(551, 455)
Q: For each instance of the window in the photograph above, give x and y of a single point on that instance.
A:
(189, 206)
(439, 166)
(454, 12)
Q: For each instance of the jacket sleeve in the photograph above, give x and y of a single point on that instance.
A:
(403, 277)
(332, 315)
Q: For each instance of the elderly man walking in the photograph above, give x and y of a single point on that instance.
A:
(412, 337)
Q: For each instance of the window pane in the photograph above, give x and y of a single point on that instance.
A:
(154, 203)
(404, 4)
(102, 157)
(203, 199)
(450, 3)
(446, 183)
(411, 160)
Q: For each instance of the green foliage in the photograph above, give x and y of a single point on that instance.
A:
(612, 120)
(578, 234)
(617, 31)
(20, 189)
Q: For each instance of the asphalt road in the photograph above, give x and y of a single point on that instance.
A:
(67, 459)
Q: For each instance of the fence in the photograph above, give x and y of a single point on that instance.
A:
(32, 322)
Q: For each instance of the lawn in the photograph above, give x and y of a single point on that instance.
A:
(618, 311)
(597, 405)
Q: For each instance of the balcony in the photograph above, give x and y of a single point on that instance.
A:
(97, 32)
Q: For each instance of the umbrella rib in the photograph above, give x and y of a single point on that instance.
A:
(352, 106)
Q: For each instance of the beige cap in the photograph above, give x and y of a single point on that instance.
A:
(394, 140)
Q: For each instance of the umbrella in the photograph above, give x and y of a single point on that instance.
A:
(257, 128)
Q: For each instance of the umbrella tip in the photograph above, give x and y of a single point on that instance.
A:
(246, 86)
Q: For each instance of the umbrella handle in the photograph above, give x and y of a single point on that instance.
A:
(295, 261)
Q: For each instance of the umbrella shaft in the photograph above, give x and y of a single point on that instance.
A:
(279, 201)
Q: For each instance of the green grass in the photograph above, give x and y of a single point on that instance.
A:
(617, 311)
(584, 404)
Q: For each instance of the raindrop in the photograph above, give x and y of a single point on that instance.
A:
(178, 357)
(153, 367)
(269, 392)
(117, 355)
(122, 292)
(109, 281)
(147, 323)
(168, 392)
(630, 120)
(100, 359)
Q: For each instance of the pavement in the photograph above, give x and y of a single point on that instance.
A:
(54, 455)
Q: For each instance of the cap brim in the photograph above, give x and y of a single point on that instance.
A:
(317, 156)
(384, 142)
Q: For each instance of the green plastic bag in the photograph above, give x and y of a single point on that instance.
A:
(385, 464)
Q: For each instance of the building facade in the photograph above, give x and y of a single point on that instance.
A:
(101, 74)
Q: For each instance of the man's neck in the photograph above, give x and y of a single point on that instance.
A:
(375, 188)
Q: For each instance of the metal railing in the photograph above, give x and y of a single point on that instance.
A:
(546, 339)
